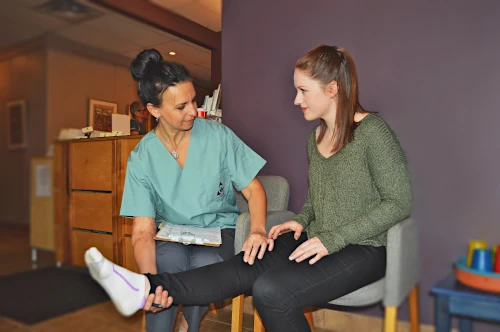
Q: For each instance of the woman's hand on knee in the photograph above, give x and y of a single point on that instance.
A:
(286, 226)
(256, 243)
(158, 301)
(312, 247)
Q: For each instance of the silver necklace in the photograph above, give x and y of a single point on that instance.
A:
(174, 153)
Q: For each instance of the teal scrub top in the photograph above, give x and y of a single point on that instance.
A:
(202, 193)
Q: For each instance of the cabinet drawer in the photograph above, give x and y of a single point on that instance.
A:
(129, 255)
(91, 165)
(81, 241)
(92, 211)
(127, 226)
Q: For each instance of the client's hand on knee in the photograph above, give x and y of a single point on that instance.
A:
(312, 247)
(284, 228)
(158, 301)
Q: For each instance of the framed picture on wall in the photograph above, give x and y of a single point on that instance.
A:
(99, 116)
(16, 124)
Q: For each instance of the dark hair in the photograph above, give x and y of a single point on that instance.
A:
(155, 75)
(326, 64)
(136, 106)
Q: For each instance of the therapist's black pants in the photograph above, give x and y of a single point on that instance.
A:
(280, 287)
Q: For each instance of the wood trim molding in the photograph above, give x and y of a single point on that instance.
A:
(163, 19)
(51, 41)
(160, 18)
(29, 46)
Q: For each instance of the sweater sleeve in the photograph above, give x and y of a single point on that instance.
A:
(306, 215)
(389, 170)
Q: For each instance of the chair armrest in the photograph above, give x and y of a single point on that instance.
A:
(402, 272)
(243, 225)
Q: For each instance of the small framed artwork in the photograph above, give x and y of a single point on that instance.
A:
(99, 116)
(16, 120)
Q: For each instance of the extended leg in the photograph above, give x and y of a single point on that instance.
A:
(195, 287)
(227, 279)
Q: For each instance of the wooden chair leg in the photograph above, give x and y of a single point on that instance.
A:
(213, 308)
(309, 316)
(257, 322)
(237, 314)
(143, 323)
(413, 306)
(391, 319)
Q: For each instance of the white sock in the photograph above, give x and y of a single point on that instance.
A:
(125, 288)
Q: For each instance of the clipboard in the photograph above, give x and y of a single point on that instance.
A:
(210, 236)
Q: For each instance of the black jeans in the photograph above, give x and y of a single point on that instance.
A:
(280, 287)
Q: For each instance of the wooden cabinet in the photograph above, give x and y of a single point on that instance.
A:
(89, 172)
(81, 240)
(92, 210)
(89, 176)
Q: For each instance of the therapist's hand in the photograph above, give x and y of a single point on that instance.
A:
(256, 242)
(159, 298)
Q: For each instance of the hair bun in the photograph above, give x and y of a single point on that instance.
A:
(143, 63)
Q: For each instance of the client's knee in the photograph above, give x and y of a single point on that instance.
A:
(269, 292)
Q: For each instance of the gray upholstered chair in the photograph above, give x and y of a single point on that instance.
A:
(401, 279)
(277, 191)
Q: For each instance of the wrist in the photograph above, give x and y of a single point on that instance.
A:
(258, 229)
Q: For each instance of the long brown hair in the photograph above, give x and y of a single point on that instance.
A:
(326, 64)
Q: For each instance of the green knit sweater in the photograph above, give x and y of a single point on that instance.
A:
(358, 193)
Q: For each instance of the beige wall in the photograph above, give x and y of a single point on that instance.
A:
(57, 78)
(74, 79)
(23, 76)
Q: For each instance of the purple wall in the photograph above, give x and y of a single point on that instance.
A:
(431, 68)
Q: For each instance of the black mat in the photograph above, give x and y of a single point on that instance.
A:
(37, 295)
